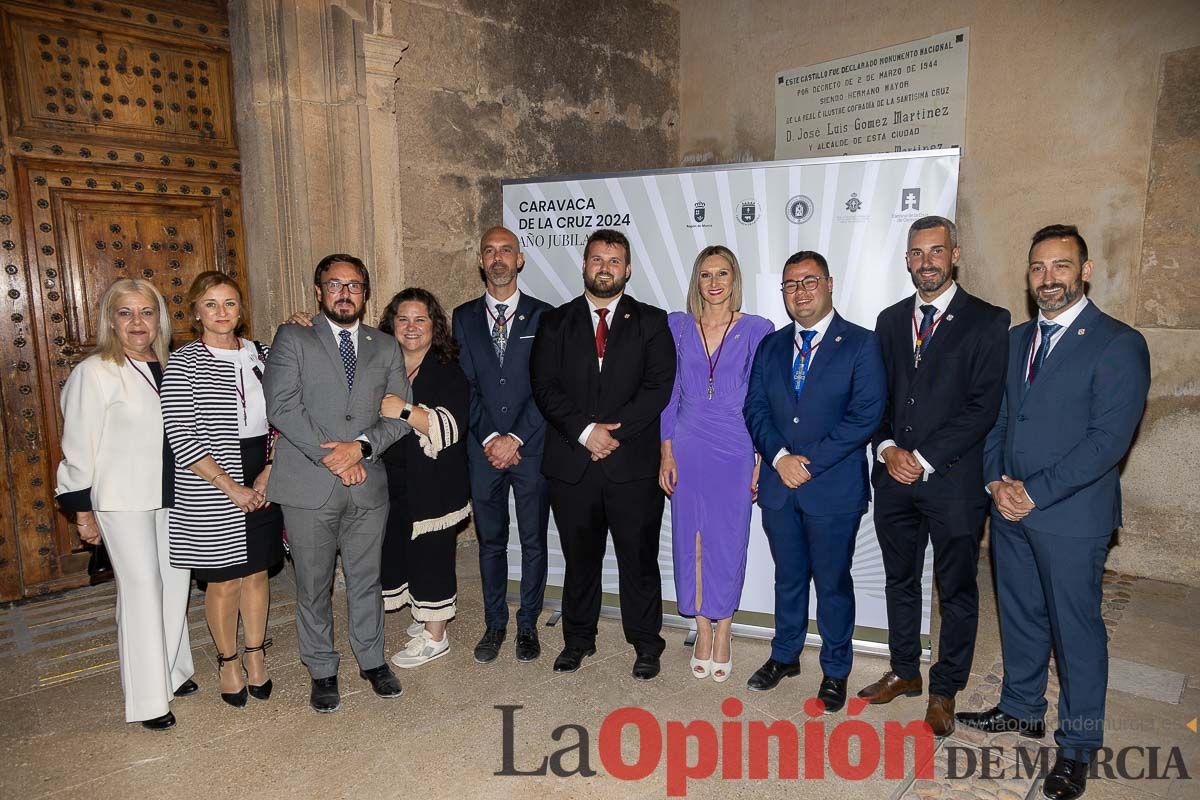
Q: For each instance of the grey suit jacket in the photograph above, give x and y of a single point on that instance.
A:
(308, 403)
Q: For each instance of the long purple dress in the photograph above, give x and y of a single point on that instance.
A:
(710, 510)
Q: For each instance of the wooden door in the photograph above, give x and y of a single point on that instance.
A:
(119, 159)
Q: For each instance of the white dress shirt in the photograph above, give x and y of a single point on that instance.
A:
(612, 314)
(821, 327)
(337, 333)
(941, 303)
(252, 421)
(491, 315)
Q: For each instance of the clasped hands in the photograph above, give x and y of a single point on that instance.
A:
(792, 472)
(345, 461)
(600, 442)
(1012, 501)
(902, 465)
(503, 451)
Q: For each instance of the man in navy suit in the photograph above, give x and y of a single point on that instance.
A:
(817, 392)
(602, 370)
(945, 352)
(1075, 391)
(495, 335)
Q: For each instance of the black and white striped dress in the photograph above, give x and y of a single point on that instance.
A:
(204, 403)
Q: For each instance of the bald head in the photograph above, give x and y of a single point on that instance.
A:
(500, 259)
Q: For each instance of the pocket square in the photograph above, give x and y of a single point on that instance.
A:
(530, 336)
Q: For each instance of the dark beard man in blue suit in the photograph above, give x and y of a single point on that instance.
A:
(1074, 394)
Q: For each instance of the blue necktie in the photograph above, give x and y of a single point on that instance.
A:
(1039, 358)
(500, 332)
(349, 358)
(926, 331)
(803, 358)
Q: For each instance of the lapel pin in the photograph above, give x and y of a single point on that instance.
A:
(369, 339)
(837, 339)
(1082, 331)
(949, 318)
(521, 318)
(626, 316)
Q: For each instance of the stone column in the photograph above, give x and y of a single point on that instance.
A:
(314, 84)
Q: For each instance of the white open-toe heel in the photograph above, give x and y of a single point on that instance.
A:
(721, 670)
(701, 667)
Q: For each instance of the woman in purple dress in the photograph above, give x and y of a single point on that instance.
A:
(709, 467)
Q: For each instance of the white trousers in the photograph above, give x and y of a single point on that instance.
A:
(152, 596)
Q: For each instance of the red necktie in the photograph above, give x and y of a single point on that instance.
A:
(601, 332)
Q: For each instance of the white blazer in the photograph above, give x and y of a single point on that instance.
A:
(112, 436)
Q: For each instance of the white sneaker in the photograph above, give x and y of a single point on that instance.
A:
(421, 650)
(415, 630)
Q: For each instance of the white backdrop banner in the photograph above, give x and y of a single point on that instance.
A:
(854, 209)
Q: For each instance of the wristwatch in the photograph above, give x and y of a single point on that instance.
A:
(366, 448)
(407, 412)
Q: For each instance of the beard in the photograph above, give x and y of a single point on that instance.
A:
(1069, 295)
(612, 289)
(347, 315)
(499, 275)
(929, 284)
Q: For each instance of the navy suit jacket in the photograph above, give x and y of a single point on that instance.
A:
(501, 398)
(946, 407)
(1065, 435)
(838, 411)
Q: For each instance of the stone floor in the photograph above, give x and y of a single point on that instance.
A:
(61, 733)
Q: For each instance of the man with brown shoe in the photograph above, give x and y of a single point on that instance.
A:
(945, 353)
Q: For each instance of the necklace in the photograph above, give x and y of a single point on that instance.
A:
(142, 375)
(240, 387)
(712, 362)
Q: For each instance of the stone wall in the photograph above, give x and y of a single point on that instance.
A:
(1065, 121)
(490, 89)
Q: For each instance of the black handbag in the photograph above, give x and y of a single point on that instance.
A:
(99, 568)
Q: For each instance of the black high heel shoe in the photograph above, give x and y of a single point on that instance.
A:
(235, 699)
(262, 692)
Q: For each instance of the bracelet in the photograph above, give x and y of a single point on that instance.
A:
(213, 480)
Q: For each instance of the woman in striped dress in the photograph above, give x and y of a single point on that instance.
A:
(222, 527)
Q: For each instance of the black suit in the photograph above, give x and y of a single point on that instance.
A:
(943, 409)
(619, 492)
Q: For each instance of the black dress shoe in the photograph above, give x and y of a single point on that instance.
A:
(646, 667)
(165, 722)
(528, 647)
(769, 675)
(489, 646)
(996, 721)
(324, 697)
(263, 690)
(236, 699)
(570, 657)
(383, 681)
(1067, 780)
(187, 687)
(832, 693)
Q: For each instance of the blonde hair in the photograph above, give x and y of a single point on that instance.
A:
(200, 286)
(108, 344)
(695, 301)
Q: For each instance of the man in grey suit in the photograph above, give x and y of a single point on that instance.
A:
(323, 386)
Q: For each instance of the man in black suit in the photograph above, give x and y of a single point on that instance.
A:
(602, 370)
(945, 352)
(495, 335)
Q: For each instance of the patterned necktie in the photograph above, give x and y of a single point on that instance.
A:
(927, 314)
(1039, 358)
(601, 332)
(803, 359)
(349, 358)
(500, 332)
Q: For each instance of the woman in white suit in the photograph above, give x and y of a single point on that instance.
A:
(116, 475)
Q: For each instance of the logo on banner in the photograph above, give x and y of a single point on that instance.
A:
(910, 199)
(853, 204)
(748, 212)
(799, 209)
(698, 211)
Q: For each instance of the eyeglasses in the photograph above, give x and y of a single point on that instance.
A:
(336, 286)
(808, 283)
